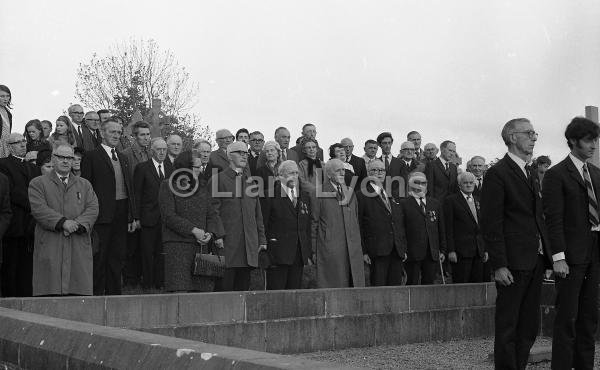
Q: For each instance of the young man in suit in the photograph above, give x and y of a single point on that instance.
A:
(425, 233)
(147, 178)
(385, 141)
(287, 221)
(466, 250)
(381, 229)
(17, 268)
(110, 175)
(441, 173)
(516, 240)
(570, 192)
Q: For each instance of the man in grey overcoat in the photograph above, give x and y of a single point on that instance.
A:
(65, 208)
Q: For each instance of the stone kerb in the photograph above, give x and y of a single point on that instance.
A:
(151, 311)
(35, 341)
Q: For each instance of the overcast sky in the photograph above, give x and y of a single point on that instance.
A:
(449, 69)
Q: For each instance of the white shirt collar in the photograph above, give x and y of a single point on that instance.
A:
(521, 163)
(59, 176)
(467, 196)
(443, 160)
(578, 164)
(288, 191)
(418, 198)
(108, 149)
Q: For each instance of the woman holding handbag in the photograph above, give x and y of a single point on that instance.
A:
(189, 221)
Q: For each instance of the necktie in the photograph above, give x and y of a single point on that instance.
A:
(387, 163)
(63, 179)
(294, 200)
(161, 175)
(283, 155)
(340, 192)
(479, 183)
(447, 167)
(592, 201)
(471, 204)
(385, 200)
(114, 154)
(422, 204)
(79, 131)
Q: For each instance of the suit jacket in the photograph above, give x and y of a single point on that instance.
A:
(241, 217)
(252, 163)
(136, 155)
(88, 140)
(96, 167)
(301, 155)
(360, 169)
(512, 218)
(477, 190)
(381, 229)
(146, 185)
(423, 230)
(287, 228)
(439, 183)
(566, 210)
(463, 234)
(267, 180)
(218, 159)
(19, 175)
(5, 209)
(398, 167)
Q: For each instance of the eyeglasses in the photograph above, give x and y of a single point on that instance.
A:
(416, 182)
(18, 142)
(257, 140)
(240, 152)
(532, 134)
(409, 149)
(62, 157)
(377, 170)
(92, 120)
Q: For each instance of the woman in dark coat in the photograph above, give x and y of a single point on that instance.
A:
(269, 171)
(34, 133)
(187, 214)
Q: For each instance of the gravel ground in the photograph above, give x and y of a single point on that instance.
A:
(463, 354)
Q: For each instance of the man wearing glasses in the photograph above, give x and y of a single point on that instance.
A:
(218, 158)
(516, 240)
(257, 141)
(381, 229)
(240, 211)
(17, 242)
(65, 208)
(90, 137)
(76, 114)
(403, 167)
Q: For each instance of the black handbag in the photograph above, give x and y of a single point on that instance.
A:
(208, 264)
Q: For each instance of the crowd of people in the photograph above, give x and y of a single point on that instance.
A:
(86, 209)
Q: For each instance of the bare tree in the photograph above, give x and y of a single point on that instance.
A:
(138, 64)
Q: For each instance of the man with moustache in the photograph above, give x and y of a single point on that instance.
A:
(517, 243)
(381, 223)
(425, 232)
(287, 221)
(570, 192)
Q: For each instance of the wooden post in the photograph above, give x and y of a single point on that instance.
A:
(591, 113)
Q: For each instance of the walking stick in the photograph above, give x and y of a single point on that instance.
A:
(442, 271)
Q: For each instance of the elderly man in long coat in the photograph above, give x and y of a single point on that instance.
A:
(65, 208)
(339, 257)
(239, 209)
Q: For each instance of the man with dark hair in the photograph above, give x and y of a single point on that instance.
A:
(109, 173)
(570, 195)
(371, 148)
(104, 115)
(257, 141)
(517, 243)
(385, 141)
(308, 131)
(441, 173)
(415, 138)
(137, 153)
(242, 135)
